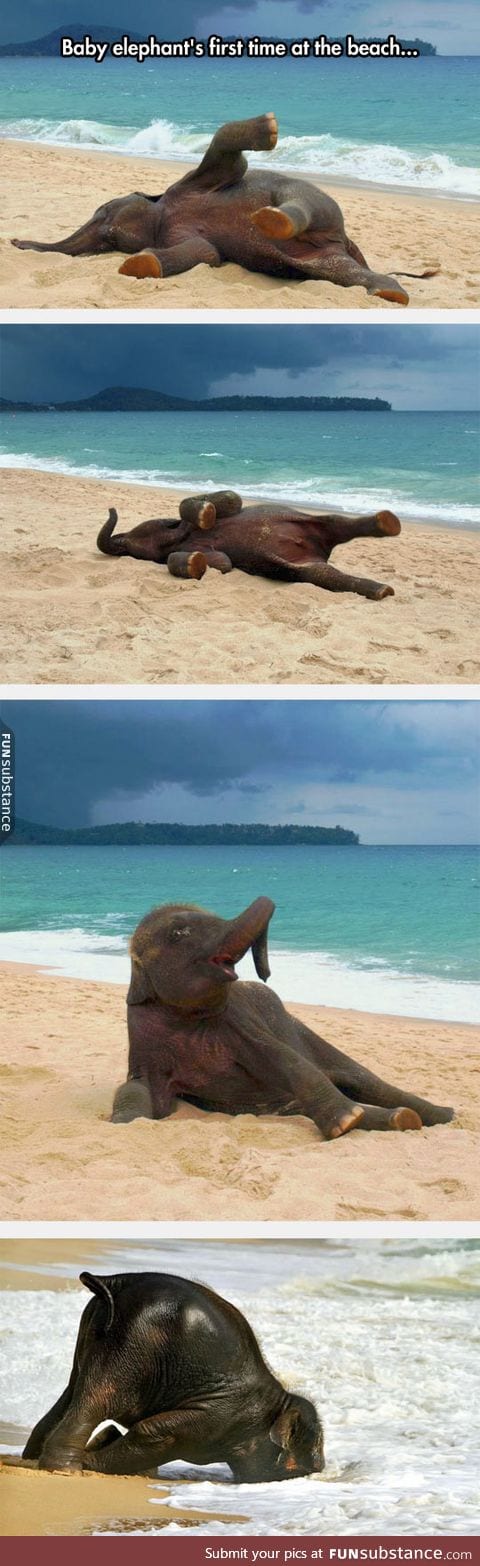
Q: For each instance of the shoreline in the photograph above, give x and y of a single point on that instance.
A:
(73, 614)
(41, 1504)
(335, 975)
(65, 1052)
(51, 190)
(419, 519)
(339, 181)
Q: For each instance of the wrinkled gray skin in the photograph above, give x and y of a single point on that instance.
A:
(180, 1368)
(196, 1034)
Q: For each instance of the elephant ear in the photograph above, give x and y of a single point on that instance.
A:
(141, 987)
(282, 1432)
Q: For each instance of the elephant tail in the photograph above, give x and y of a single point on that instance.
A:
(432, 272)
(105, 542)
(100, 1287)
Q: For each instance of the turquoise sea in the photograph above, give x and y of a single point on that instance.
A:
(412, 124)
(377, 928)
(382, 1335)
(423, 465)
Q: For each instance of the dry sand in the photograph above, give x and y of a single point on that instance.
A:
(38, 1504)
(73, 615)
(65, 1049)
(50, 191)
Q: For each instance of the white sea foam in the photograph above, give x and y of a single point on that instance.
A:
(390, 1364)
(331, 156)
(312, 977)
(291, 491)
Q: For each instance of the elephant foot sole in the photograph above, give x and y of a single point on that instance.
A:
(392, 295)
(345, 1122)
(388, 523)
(404, 1119)
(144, 264)
(264, 133)
(274, 223)
(196, 565)
(207, 516)
(381, 592)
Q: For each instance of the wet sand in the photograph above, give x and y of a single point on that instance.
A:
(39, 1504)
(50, 191)
(74, 615)
(64, 1050)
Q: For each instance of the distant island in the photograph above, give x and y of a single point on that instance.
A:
(50, 42)
(135, 399)
(165, 833)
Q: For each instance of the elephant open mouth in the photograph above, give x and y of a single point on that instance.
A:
(248, 932)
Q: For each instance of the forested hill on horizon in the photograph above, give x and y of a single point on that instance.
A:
(138, 399)
(167, 833)
(49, 43)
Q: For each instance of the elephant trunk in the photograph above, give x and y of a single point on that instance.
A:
(250, 930)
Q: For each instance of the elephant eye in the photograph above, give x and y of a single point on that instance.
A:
(178, 931)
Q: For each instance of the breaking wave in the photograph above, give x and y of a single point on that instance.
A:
(290, 490)
(335, 157)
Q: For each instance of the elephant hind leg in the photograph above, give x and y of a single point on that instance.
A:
(323, 575)
(341, 530)
(346, 272)
(223, 162)
(401, 1119)
(172, 259)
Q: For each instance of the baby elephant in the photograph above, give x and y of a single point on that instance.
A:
(180, 1368)
(223, 211)
(276, 541)
(196, 1034)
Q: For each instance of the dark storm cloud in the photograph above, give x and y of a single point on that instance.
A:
(72, 756)
(172, 19)
(436, 20)
(45, 363)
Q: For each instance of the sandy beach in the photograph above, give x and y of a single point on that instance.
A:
(36, 1504)
(72, 614)
(64, 1051)
(50, 191)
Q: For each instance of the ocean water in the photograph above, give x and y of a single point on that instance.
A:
(380, 929)
(382, 1335)
(413, 124)
(423, 465)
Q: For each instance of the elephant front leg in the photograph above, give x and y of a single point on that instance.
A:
(172, 259)
(203, 510)
(133, 1101)
(146, 1445)
(187, 564)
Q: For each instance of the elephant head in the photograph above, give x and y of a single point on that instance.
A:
(292, 1448)
(183, 957)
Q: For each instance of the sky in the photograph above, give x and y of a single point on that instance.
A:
(413, 366)
(394, 771)
(454, 29)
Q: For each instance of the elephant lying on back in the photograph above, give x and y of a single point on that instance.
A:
(222, 211)
(268, 540)
(195, 1034)
(180, 1368)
